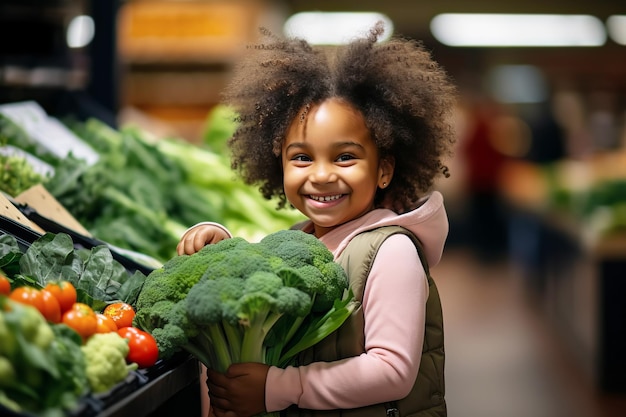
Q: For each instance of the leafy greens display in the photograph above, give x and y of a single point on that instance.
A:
(143, 192)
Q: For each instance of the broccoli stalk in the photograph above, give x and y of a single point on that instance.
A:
(202, 307)
(211, 349)
(257, 325)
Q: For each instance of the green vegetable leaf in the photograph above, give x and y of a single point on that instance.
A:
(10, 254)
(318, 328)
(102, 276)
(35, 356)
(97, 276)
(51, 258)
(130, 289)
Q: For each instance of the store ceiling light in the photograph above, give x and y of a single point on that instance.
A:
(80, 32)
(616, 26)
(518, 30)
(334, 28)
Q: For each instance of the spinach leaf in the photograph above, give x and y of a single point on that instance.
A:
(99, 278)
(52, 257)
(10, 254)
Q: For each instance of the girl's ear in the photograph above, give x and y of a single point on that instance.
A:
(385, 171)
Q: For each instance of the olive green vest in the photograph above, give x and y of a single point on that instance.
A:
(426, 399)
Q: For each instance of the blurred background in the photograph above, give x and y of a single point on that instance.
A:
(533, 281)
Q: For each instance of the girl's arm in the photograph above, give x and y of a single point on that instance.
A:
(200, 235)
(394, 306)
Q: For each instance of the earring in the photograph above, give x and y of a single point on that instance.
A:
(384, 184)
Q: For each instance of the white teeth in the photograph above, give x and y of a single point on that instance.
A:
(326, 198)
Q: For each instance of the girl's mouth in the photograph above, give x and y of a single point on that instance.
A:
(325, 198)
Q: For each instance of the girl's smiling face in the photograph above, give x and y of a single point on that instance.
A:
(331, 165)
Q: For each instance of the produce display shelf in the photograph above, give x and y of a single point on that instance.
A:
(157, 391)
(164, 389)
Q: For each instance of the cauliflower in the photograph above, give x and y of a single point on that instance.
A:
(105, 357)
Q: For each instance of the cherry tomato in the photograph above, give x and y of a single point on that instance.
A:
(5, 285)
(143, 348)
(105, 324)
(82, 319)
(64, 292)
(52, 309)
(28, 295)
(121, 313)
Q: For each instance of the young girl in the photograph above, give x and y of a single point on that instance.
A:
(354, 138)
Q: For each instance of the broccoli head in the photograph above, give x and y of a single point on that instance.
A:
(335, 285)
(167, 321)
(174, 279)
(238, 301)
(297, 248)
(170, 282)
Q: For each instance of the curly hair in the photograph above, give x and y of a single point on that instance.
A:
(405, 97)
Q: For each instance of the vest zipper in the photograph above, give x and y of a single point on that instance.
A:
(392, 409)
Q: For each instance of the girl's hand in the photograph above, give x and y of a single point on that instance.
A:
(199, 236)
(240, 391)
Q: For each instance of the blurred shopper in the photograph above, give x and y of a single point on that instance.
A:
(547, 136)
(483, 162)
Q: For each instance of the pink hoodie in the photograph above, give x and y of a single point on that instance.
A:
(394, 307)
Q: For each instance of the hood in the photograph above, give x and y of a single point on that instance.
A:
(429, 222)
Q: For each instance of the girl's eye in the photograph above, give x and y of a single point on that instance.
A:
(345, 158)
(301, 158)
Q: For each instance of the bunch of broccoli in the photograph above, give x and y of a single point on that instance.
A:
(238, 301)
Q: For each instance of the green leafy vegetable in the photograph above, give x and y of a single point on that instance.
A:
(220, 126)
(97, 276)
(10, 254)
(143, 193)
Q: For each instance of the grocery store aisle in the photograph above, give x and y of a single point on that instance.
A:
(502, 359)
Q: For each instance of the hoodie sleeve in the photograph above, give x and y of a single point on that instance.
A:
(394, 306)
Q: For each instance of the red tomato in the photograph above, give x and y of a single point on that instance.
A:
(121, 313)
(5, 285)
(28, 295)
(52, 309)
(143, 349)
(64, 292)
(82, 319)
(105, 324)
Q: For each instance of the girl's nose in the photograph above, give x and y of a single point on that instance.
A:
(322, 173)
